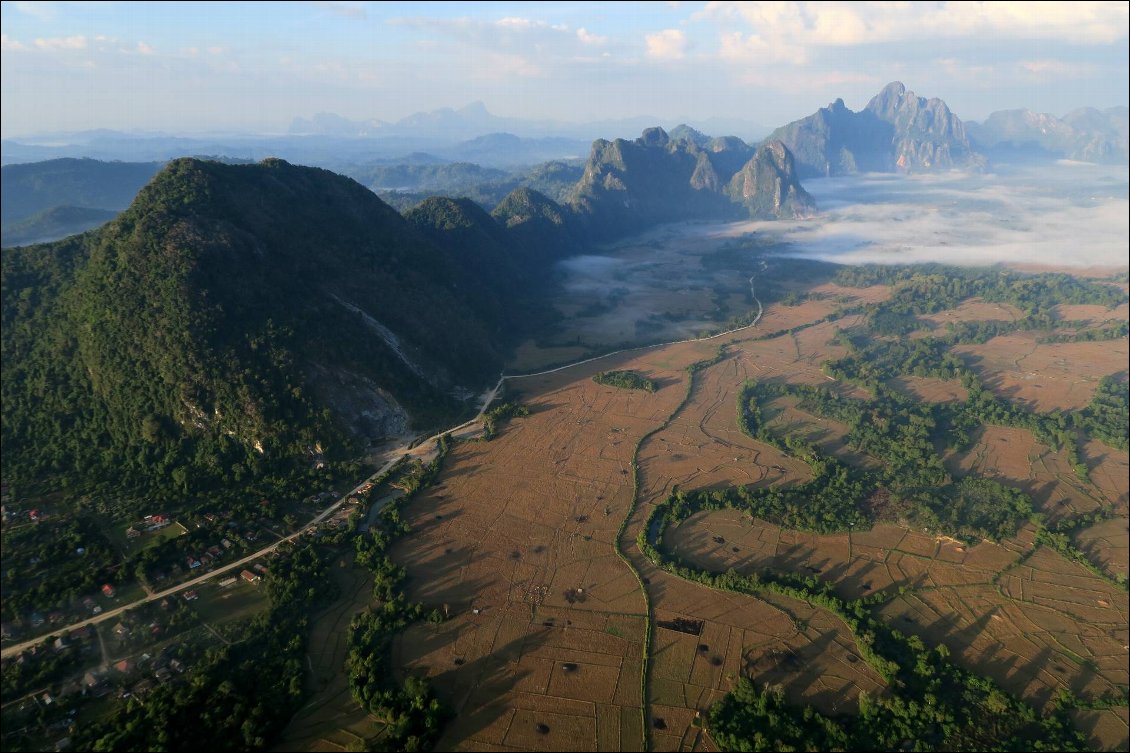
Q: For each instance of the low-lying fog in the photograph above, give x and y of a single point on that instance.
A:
(1069, 213)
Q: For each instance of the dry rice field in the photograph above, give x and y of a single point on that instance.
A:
(1045, 376)
(544, 648)
(1015, 458)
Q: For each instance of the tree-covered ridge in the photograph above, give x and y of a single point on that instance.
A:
(625, 380)
(1106, 416)
(54, 223)
(178, 349)
(930, 288)
(409, 709)
(29, 189)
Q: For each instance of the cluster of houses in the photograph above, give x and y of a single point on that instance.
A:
(149, 524)
(81, 637)
(10, 515)
(130, 676)
(321, 498)
(209, 556)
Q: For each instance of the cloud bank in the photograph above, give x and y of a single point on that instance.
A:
(1068, 214)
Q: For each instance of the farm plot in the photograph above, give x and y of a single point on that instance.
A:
(1106, 730)
(1044, 377)
(785, 418)
(1014, 457)
(546, 678)
(1046, 624)
(1094, 314)
(517, 541)
(882, 559)
(971, 310)
(1106, 545)
(703, 640)
(930, 389)
(1109, 470)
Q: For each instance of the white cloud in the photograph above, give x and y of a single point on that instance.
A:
(669, 44)
(751, 48)
(1057, 68)
(1073, 215)
(42, 11)
(856, 23)
(792, 80)
(500, 65)
(146, 49)
(7, 43)
(345, 10)
(77, 42)
(588, 38)
(514, 22)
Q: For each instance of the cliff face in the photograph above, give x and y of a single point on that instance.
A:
(629, 185)
(897, 131)
(767, 186)
(926, 134)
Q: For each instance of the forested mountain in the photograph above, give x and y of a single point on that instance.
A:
(45, 201)
(444, 176)
(29, 189)
(487, 259)
(209, 332)
(541, 227)
(897, 131)
(53, 224)
(1085, 134)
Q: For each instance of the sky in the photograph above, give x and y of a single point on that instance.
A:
(232, 66)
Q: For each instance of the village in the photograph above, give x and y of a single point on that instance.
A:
(157, 594)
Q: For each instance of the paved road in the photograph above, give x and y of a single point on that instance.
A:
(467, 428)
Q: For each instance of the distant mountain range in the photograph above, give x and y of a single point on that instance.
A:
(897, 131)
(624, 185)
(44, 201)
(90, 184)
(475, 120)
(1086, 134)
(896, 127)
(468, 134)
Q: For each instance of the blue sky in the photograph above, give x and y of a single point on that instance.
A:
(194, 67)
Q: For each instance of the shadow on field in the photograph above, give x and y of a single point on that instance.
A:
(477, 690)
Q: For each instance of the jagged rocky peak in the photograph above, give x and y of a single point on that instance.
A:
(889, 99)
(897, 131)
(654, 137)
(684, 132)
(768, 187)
